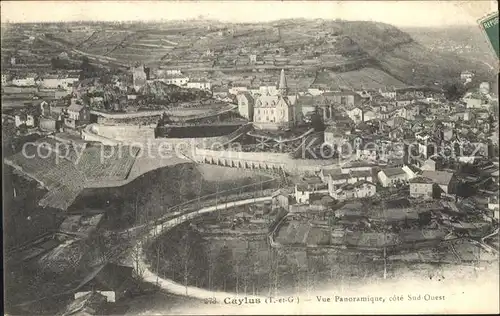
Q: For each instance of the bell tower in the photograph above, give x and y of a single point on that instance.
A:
(282, 86)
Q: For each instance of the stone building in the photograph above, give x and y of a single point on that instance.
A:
(276, 111)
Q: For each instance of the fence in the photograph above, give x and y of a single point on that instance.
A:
(222, 197)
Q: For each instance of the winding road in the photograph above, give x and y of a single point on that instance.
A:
(170, 285)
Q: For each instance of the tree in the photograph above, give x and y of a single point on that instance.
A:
(223, 271)
(317, 121)
(454, 91)
(136, 257)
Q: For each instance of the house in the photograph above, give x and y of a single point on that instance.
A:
(357, 165)
(24, 119)
(476, 101)
(347, 98)
(493, 203)
(24, 82)
(302, 193)
(360, 189)
(57, 82)
(220, 92)
(245, 105)
(460, 115)
(392, 176)
(333, 137)
(50, 124)
(369, 115)
(421, 188)
(441, 178)
(315, 91)
(61, 93)
(404, 101)
(139, 77)
(466, 76)
(171, 76)
(78, 114)
(199, 84)
(237, 89)
(388, 92)
(5, 79)
(362, 175)
(408, 112)
(429, 164)
(325, 174)
(268, 90)
(336, 179)
(306, 187)
(410, 172)
(356, 114)
(110, 280)
(484, 88)
(281, 199)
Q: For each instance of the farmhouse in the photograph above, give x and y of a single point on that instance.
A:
(392, 176)
(356, 190)
(421, 188)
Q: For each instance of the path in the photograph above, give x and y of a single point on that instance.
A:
(174, 287)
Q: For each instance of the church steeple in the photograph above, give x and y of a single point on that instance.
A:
(282, 86)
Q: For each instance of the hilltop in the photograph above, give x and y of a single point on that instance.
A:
(303, 46)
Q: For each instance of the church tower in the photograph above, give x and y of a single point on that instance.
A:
(282, 86)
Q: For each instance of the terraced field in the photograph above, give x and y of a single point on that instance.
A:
(365, 78)
(73, 37)
(65, 174)
(103, 42)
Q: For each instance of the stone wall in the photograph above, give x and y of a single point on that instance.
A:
(260, 160)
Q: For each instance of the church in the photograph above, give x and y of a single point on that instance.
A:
(272, 112)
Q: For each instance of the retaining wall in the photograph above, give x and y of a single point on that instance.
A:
(260, 160)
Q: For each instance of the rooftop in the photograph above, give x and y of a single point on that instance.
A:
(421, 180)
(439, 177)
(391, 172)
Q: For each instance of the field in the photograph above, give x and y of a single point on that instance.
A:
(365, 78)
(144, 47)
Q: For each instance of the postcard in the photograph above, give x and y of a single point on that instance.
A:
(250, 157)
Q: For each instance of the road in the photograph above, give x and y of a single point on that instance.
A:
(171, 286)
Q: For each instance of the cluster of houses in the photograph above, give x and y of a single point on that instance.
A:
(51, 117)
(359, 179)
(142, 75)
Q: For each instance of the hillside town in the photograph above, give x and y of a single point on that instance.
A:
(391, 171)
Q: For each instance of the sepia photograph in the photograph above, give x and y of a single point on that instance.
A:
(250, 157)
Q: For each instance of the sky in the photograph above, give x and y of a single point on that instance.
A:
(399, 13)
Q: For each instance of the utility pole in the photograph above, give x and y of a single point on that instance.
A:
(385, 263)
(186, 251)
(157, 263)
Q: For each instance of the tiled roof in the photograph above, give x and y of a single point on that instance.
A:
(390, 172)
